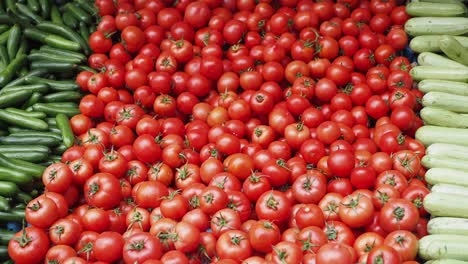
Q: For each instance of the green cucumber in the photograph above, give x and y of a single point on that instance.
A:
(14, 176)
(13, 42)
(14, 98)
(62, 96)
(430, 161)
(22, 80)
(14, 215)
(64, 85)
(22, 121)
(52, 110)
(31, 156)
(425, 9)
(420, 73)
(22, 112)
(451, 102)
(23, 148)
(34, 88)
(450, 87)
(63, 124)
(6, 236)
(435, 134)
(433, 59)
(454, 26)
(4, 206)
(8, 189)
(441, 117)
(9, 72)
(453, 49)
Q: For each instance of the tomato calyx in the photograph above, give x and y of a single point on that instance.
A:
(368, 247)
(52, 174)
(220, 221)
(183, 173)
(307, 185)
(378, 259)
(272, 203)
(125, 114)
(418, 202)
(136, 218)
(399, 213)
(137, 245)
(353, 203)
(23, 240)
(220, 184)
(282, 163)
(236, 239)
(282, 254)
(94, 188)
(307, 245)
(331, 208)
(331, 232)
(194, 202)
(383, 197)
(35, 207)
(87, 248)
(400, 240)
(405, 162)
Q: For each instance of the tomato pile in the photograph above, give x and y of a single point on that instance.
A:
(238, 131)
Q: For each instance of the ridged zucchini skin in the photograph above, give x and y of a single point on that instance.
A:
(430, 43)
(430, 161)
(446, 101)
(435, 134)
(450, 87)
(443, 204)
(420, 26)
(446, 175)
(427, 9)
(448, 150)
(448, 226)
(444, 247)
(433, 59)
(420, 73)
(441, 117)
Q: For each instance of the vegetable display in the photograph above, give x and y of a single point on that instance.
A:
(442, 54)
(233, 131)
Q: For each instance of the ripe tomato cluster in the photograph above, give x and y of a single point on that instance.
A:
(238, 131)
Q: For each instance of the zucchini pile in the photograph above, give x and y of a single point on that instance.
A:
(438, 30)
(43, 45)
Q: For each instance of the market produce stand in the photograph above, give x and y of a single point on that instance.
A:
(233, 131)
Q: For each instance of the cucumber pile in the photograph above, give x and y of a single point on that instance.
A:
(438, 30)
(43, 44)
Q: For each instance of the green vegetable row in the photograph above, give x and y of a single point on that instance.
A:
(438, 28)
(42, 47)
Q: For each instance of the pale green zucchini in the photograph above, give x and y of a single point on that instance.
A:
(434, 134)
(420, 73)
(433, 59)
(441, 117)
(454, 50)
(446, 175)
(450, 189)
(443, 204)
(419, 26)
(427, 9)
(448, 226)
(448, 150)
(445, 261)
(430, 161)
(430, 43)
(450, 87)
(451, 102)
(444, 247)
